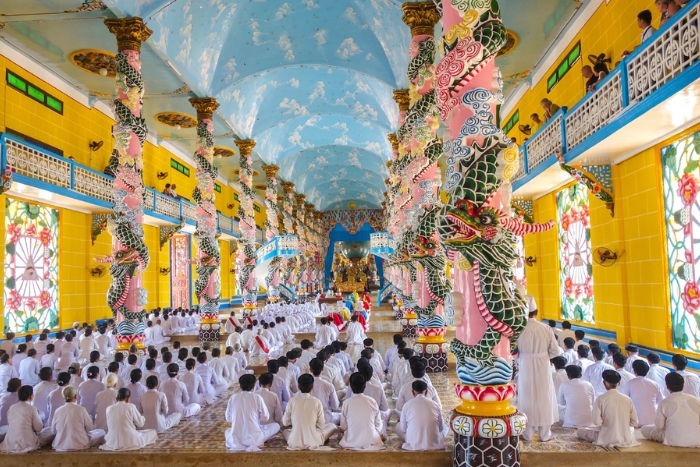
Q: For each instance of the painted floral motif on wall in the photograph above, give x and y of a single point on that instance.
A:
(575, 256)
(31, 267)
(682, 213)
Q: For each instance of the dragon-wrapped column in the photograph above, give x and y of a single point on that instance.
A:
(303, 247)
(272, 230)
(288, 224)
(126, 297)
(246, 258)
(422, 148)
(311, 245)
(206, 286)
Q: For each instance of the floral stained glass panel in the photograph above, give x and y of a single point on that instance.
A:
(575, 256)
(682, 214)
(31, 267)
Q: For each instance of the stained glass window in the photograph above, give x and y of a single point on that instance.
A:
(682, 209)
(31, 267)
(575, 258)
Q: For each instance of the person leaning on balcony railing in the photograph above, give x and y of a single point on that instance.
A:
(536, 123)
(668, 8)
(644, 23)
(594, 75)
(549, 108)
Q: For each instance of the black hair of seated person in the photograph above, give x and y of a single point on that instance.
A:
(316, 366)
(152, 382)
(25, 392)
(674, 382)
(559, 362)
(273, 366)
(305, 383)
(583, 351)
(574, 371)
(620, 360)
(265, 379)
(173, 370)
(246, 382)
(358, 383)
(123, 394)
(640, 367)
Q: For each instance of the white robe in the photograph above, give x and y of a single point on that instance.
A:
(73, 428)
(233, 339)
(676, 422)
(154, 407)
(87, 345)
(594, 375)
(571, 356)
(56, 401)
(657, 373)
(29, 371)
(354, 334)
(309, 429)
(103, 401)
(324, 391)
(615, 415)
(158, 335)
(7, 372)
(421, 425)
(630, 360)
(273, 405)
(324, 336)
(625, 376)
(87, 394)
(7, 400)
(536, 397)
(559, 377)
(576, 398)
(41, 398)
(362, 423)
(196, 389)
(178, 398)
(645, 395)
(691, 383)
(233, 367)
(25, 431)
(123, 420)
(104, 345)
(246, 412)
(221, 374)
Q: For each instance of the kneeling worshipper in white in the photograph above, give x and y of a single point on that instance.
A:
(123, 419)
(593, 374)
(25, 431)
(421, 426)
(576, 398)
(56, 399)
(305, 414)
(154, 407)
(376, 392)
(231, 324)
(536, 397)
(614, 416)
(324, 391)
(676, 422)
(195, 385)
(644, 392)
(559, 375)
(176, 393)
(354, 336)
(360, 421)
(247, 413)
(234, 337)
(324, 334)
(260, 347)
(105, 399)
(73, 426)
(272, 402)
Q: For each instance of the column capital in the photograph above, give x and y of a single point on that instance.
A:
(245, 146)
(420, 17)
(205, 106)
(387, 182)
(394, 141)
(389, 164)
(309, 208)
(280, 198)
(288, 187)
(270, 170)
(402, 97)
(130, 32)
(300, 200)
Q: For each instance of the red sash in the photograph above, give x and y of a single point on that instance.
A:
(250, 320)
(233, 321)
(262, 346)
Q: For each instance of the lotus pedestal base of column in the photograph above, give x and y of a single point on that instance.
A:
(209, 329)
(409, 325)
(434, 355)
(470, 451)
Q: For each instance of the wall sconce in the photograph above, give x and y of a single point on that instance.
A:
(530, 261)
(98, 271)
(96, 145)
(230, 206)
(164, 271)
(162, 175)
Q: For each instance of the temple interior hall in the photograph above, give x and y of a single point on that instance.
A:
(350, 232)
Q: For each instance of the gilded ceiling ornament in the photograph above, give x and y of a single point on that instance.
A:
(420, 17)
(221, 151)
(93, 61)
(510, 45)
(260, 187)
(176, 119)
(184, 89)
(130, 32)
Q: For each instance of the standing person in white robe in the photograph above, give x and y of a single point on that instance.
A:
(247, 413)
(272, 402)
(614, 416)
(104, 400)
(177, 395)
(676, 421)
(354, 336)
(29, 369)
(25, 431)
(360, 421)
(154, 407)
(536, 398)
(421, 426)
(73, 426)
(576, 398)
(594, 373)
(305, 414)
(645, 393)
(691, 382)
(123, 419)
(657, 373)
(87, 390)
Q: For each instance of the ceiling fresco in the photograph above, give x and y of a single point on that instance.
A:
(310, 81)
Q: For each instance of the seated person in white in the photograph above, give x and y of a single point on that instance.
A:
(56, 399)
(324, 334)
(73, 426)
(569, 353)
(417, 373)
(211, 385)
(575, 398)
(559, 376)
(42, 391)
(7, 400)
(221, 370)
(374, 390)
(7, 371)
(360, 421)
(87, 390)
(644, 392)
(177, 395)
(421, 426)
(614, 417)
(691, 381)
(29, 369)
(657, 373)
(154, 407)
(246, 411)
(279, 385)
(232, 365)
(323, 390)
(105, 399)
(618, 362)
(272, 402)
(676, 422)
(260, 346)
(95, 360)
(234, 337)
(593, 374)
(401, 369)
(25, 431)
(583, 361)
(305, 414)
(123, 419)
(195, 386)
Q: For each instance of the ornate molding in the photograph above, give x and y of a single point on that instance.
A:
(99, 225)
(394, 143)
(245, 146)
(167, 233)
(130, 32)
(288, 187)
(403, 98)
(221, 151)
(92, 61)
(300, 199)
(205, 106)
(420, 17)
(597, 187)
(270, 170)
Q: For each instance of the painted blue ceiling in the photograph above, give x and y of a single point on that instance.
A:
(310, 80)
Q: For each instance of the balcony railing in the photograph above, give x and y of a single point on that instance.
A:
(34, 166)
(673, 50)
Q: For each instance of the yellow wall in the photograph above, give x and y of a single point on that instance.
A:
(611, 30)
(82, 297)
